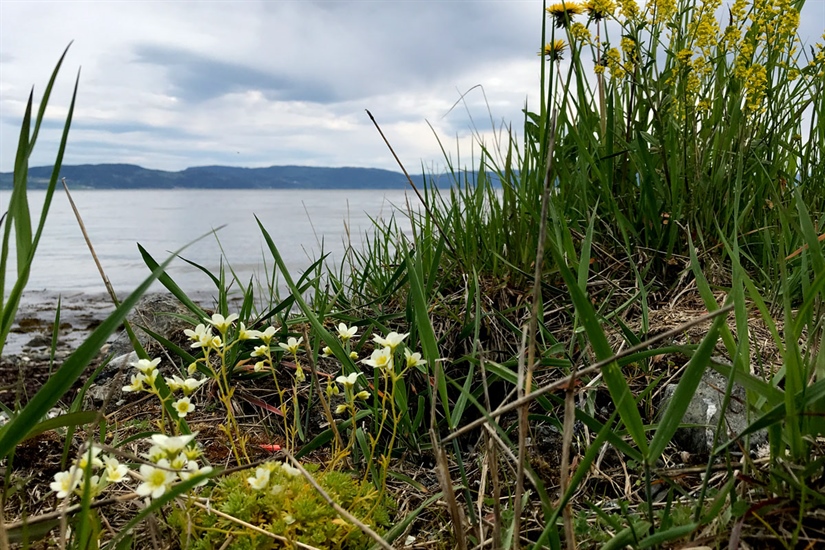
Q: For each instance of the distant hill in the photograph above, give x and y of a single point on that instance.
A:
(129, 176)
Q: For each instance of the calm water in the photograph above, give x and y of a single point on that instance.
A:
(163, 221)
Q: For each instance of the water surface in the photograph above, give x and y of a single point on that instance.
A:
(300, 223)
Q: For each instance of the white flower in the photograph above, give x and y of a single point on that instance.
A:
(266, 336)
(201, 336)
(172, 445)
(191, 384)
(115, 471)
(260, 366)
(340, 409)
(137, 383)
(380, 358)
(413, 359)
(215, 342)
(95, 486)
(345, 332)
(175, 383)
(261, 479)
(192, 470)
(193, 452)
(65, 482)
(145, 365)
(183, 406)
(220, 322)
(246, 334)
(156, 480)
(155, 453)
(179, 462)
(260, 351)
(391, 341)
(292, 345)
(84, 458)
(289, 470)
(327, 351)
(150, 377)
(349, 380)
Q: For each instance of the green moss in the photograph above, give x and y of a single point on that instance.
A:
(287, 506)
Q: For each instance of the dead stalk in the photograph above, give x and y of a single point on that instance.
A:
(533, 327)
(249, 526)
(442, 472)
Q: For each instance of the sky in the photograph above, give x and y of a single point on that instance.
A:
(173, 84)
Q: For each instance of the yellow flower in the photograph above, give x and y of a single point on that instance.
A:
(629, 50)
(580, 33)
(599, 9)
(755, 86)
(662, 10)
(629, 9)
(613, 60)
(553, 50)
(563, 13)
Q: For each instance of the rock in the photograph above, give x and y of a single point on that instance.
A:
(704, 409)
(39, 341)
(160, 313)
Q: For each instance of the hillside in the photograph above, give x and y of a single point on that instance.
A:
(129, 176)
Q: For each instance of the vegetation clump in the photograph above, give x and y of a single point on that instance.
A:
(278, 499)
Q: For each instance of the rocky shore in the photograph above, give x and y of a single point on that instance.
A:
(28, 361)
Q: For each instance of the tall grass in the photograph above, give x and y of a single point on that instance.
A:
(688, 150)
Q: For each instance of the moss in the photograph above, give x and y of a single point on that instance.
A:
(287, 506)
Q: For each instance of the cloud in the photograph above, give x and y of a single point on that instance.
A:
(175, 84)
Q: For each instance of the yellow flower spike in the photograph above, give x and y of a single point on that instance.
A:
(580, 33)
(661, 10)
(599, 9)
(563, 13)
(629, 9)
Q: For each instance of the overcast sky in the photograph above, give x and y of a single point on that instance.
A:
(173, 84)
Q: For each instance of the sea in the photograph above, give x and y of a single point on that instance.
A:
(215, 226)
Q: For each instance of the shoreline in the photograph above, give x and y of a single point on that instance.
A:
(80, 314)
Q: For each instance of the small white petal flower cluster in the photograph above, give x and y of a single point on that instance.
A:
(348, 383)
(108, 471)
(345, 333)
(147, 375)
(267, 476)
(175, 458)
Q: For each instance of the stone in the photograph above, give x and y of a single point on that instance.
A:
(705, 408)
